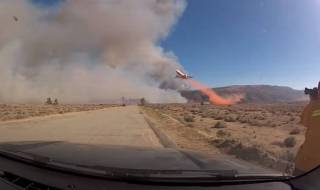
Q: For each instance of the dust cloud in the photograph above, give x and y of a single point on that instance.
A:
(88, 51)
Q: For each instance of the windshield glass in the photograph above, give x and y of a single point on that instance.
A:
(179, 85)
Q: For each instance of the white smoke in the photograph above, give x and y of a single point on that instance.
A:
(83, 50)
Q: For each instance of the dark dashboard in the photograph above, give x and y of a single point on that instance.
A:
(17, 175)
(38, 166)
(22, 176)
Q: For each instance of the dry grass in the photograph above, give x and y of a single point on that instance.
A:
(22, 111)
(249, 131)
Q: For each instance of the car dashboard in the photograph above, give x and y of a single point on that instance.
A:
(18, 175)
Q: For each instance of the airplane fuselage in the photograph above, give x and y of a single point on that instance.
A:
(182, 75)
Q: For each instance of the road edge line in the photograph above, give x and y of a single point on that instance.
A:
(164, 140)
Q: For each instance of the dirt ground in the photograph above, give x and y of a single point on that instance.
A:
(23, 111)
(266, 134)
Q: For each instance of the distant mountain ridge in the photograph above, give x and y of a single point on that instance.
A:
(251, 94)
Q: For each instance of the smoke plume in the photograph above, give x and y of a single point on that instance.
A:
(81, 50)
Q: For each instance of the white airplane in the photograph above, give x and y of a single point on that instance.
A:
(182, 75)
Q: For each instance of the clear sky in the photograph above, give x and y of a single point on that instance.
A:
(225, 42)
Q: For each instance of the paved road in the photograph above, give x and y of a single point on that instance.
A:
(115, 126)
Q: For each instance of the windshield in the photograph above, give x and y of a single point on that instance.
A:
(162, 85)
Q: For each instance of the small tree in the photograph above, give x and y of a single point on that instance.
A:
(49, 101)
(56, 102)
(142, 101)
(123, 101)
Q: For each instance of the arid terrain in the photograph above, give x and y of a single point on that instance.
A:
(23, 111)
(266, 134)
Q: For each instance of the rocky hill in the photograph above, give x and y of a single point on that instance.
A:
(252, 94)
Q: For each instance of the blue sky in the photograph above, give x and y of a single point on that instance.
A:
(46, 3)
(225, 42)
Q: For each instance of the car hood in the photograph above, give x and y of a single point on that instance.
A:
(127, 157)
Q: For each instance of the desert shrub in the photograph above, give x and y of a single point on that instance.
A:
(219, 117)
(252, 152)
(188, 118)
(203, 115)
(251, 121)
(222, 133)
(225, 143)
(49, 101)
(243, 119)
(190, 125)
(295, 131)
(273, 125)
(231, 118)
(288, 155)
(260, 117)
(217, 141)
(220, 125)
(56, 102)
(290, 142)
(5, 113)
(213, 116)
(193, 111)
